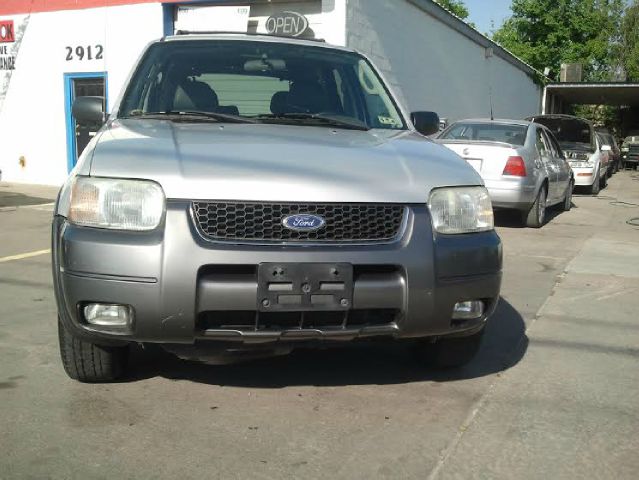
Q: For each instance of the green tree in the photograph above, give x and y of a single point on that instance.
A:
(630, 42)
(455, 6)
(547, 33)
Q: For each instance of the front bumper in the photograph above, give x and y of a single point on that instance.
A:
(630, 158)
(584, 176)
(176, 281)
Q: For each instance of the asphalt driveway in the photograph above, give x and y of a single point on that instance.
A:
(552, 393)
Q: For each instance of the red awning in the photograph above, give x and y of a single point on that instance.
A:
(16, 7)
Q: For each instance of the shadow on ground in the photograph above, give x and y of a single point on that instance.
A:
(513, 218)
(504, 345)
(11, 199)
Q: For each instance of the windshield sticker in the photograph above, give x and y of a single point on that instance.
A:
(387, 120)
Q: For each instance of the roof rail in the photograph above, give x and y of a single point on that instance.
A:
(256, 34)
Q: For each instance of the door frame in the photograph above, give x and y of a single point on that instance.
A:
(68, 104)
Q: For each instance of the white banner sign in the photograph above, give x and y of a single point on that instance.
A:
(213, 19)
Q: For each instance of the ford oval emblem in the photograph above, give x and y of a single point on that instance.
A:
(303, 222)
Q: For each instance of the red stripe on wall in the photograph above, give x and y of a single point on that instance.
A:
(14, 7)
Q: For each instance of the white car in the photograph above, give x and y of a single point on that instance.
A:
(585, 150)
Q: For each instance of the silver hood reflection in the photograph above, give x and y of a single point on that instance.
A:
(266, 162)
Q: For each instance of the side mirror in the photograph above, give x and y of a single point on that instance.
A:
(425, 123)
(88, 110)
(606, 148)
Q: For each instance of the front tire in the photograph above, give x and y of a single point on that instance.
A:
(596, 185)
(87, 362)
(450, 352)
(536, 216)
(604, 180)
(567, 205)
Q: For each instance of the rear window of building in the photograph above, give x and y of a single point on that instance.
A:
(487, 132)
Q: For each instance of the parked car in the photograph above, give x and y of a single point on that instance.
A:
(585, 152)
(521, 163)
(630, 152)
(249, 195)
(615, 153)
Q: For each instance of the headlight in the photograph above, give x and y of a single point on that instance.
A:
(116, 203)
(461, 210)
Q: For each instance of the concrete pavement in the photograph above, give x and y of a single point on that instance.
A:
(552, 393)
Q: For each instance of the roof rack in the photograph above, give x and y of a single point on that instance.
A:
(256, 34)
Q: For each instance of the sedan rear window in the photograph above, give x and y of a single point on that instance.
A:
(487, 132)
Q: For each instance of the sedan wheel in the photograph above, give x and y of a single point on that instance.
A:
(537, 214)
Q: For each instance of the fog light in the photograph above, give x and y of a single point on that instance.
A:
(108, 315)
(468, 310)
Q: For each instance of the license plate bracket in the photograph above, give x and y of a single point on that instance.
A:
(288, 287)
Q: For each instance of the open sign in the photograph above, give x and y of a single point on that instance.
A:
(287, 23)
(6, 31)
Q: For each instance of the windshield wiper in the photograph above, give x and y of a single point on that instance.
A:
(317, 118)
(181, 115)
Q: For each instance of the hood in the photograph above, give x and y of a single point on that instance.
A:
(262, 162)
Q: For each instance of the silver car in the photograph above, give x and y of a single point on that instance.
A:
(248, 195)
(520, 162)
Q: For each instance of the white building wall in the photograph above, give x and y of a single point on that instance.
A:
(433, 67)
(32, 115)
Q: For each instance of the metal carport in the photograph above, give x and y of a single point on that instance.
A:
(558, 97)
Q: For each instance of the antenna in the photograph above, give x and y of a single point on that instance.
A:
(488, 55)
(490, 96)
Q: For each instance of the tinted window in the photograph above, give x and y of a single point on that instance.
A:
(553, 141)
(554, 151)
(254, 79)
(541, 144)
(488, 132)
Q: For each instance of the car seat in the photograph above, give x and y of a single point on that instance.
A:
(195, 95)
(279, 103)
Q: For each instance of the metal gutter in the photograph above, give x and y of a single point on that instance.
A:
(592, 85)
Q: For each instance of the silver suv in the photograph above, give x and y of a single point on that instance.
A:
(249, 195)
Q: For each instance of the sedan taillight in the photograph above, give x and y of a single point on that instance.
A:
(515, 166)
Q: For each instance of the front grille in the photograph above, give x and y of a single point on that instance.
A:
(255, 222)
(633, 152)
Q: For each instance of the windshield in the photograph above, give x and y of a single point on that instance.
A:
(266, 81)
(487, 132)
(569, 131)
